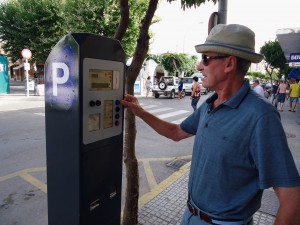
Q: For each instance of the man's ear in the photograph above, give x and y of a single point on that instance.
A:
(231, 64)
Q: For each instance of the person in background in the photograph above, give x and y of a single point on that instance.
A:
(240, 147)
(180, 88)
(288, 89)
(281, 92)
(148, 86)
(274, 93)
(257, 88)
(196, 93)
(294, 94)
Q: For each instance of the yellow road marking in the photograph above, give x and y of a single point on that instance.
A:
(166, 159)
(149, 174)
(35, 182)
(155, 189)
(15, 174)
(163, 185)
(148, 171)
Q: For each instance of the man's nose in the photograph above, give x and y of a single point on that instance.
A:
(200, 66)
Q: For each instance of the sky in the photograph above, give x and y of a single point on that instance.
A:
(179, 31)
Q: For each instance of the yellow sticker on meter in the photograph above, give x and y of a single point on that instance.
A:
(108, 114)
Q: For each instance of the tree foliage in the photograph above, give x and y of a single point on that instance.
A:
(193, 3)
(102, 17)
(258, 75)
(274, 59)
(32, 24)
(176, 62)
(39, 24)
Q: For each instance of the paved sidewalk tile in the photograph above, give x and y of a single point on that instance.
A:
(168, 207)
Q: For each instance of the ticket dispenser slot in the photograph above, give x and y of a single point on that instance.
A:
(84, 130)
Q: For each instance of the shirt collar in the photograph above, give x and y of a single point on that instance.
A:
(236, 99)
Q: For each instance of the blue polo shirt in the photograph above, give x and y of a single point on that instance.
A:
(240, 149)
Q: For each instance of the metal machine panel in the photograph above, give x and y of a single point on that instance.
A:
(102, 91)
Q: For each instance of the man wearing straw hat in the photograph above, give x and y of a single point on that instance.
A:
(240, 146)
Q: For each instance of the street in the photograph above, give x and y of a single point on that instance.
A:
(23, 183)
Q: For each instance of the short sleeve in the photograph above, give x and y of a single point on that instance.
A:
(271, 154)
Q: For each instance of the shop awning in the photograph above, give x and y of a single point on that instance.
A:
(295, 73)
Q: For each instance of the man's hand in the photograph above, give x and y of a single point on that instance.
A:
(132, 103)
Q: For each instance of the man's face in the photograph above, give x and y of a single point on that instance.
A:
(213, 71)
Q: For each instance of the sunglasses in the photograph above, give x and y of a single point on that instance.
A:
(205, 58)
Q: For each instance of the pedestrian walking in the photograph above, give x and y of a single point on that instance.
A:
(148, 86)
(281, 92)
(240, 146)
(257, 88)
(274, 93)
(180, 88)
(196, 93)
(294, 95)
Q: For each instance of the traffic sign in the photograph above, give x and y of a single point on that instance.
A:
(26, 53)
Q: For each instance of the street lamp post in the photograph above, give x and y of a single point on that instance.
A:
(222, 10)
(26, 53)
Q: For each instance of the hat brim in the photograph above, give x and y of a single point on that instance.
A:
(230, 50)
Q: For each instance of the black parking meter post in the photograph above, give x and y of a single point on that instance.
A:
(84, 141)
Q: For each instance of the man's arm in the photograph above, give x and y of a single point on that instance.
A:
(289, 205)
(277, 92)
(169, 130)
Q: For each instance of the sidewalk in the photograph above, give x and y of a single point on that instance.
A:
(17, 98)
(168, 206)
(166, 203)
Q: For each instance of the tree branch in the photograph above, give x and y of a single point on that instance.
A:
(124, 20)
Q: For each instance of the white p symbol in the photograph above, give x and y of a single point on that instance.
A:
(59, 79)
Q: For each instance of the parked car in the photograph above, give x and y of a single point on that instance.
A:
(188, 82)
(167, 86)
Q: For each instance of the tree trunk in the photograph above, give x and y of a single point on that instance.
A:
(130, 216)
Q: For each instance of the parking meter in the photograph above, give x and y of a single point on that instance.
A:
(84, 130)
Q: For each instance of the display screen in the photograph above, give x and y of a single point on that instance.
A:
(100, 80)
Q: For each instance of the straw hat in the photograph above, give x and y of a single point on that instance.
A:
(231, 39)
